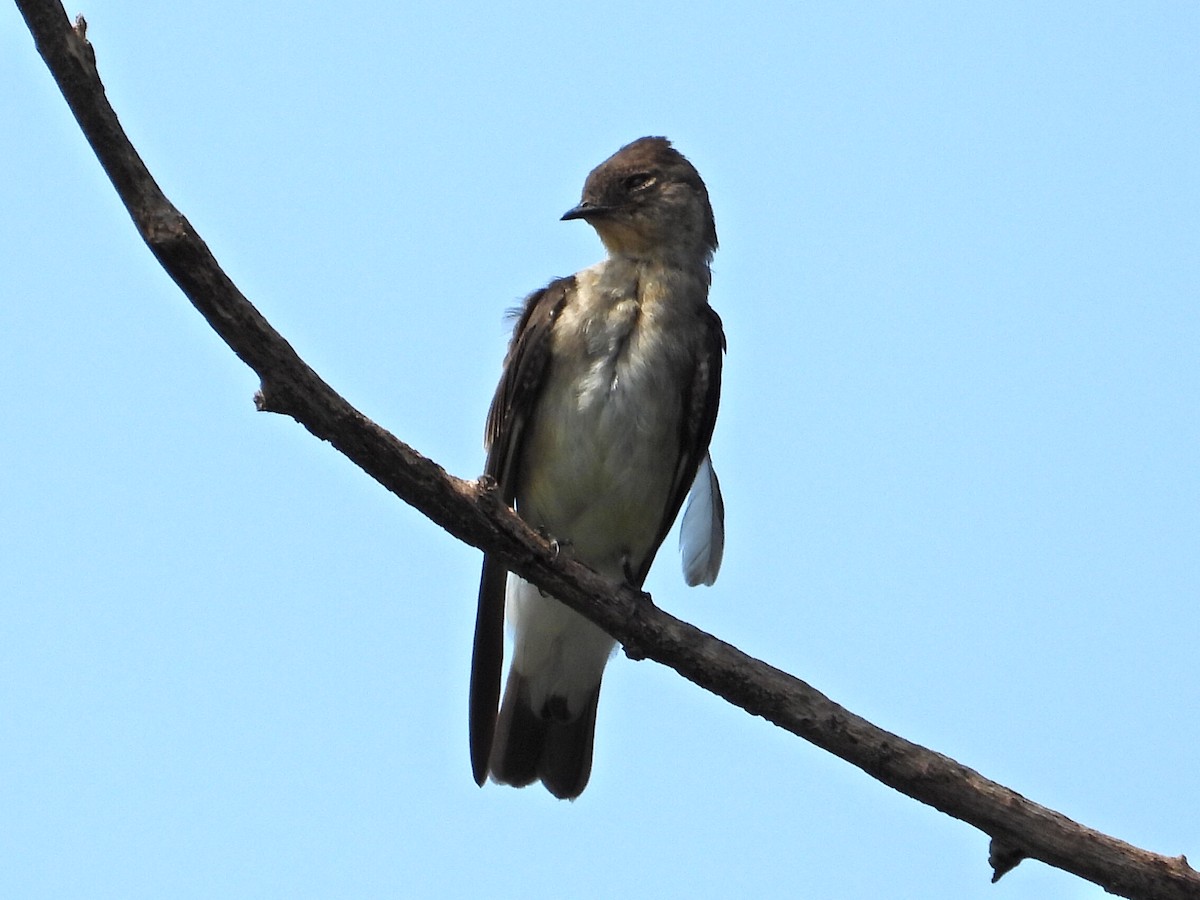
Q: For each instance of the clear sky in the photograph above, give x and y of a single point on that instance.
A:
(959, 441)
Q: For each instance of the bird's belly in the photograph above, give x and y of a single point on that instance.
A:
(599, 467)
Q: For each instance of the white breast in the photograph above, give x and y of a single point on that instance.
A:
(601, 457)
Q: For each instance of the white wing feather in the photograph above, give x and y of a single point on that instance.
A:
(702, 531)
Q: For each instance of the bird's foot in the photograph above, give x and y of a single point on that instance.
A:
(627, 569)
(557, 545)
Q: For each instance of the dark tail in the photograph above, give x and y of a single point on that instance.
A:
(528, 746)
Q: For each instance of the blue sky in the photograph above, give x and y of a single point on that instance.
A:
(959, 271)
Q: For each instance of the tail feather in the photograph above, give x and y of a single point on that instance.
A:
(566, 762)
(517, 744)
(528, 746)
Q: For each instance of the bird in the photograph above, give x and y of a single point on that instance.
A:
(598, 430)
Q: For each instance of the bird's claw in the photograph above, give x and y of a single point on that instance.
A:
(557, 546)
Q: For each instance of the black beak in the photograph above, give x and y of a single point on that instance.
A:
(585, 210)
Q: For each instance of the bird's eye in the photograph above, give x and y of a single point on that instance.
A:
(638, 181)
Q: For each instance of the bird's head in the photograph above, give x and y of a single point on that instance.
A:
(647, 200)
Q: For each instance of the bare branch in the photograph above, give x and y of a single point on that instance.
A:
(470, 511)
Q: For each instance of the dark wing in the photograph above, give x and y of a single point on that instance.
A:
(520, 386)
(700, 401)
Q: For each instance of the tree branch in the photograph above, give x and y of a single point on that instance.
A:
(471, 512)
